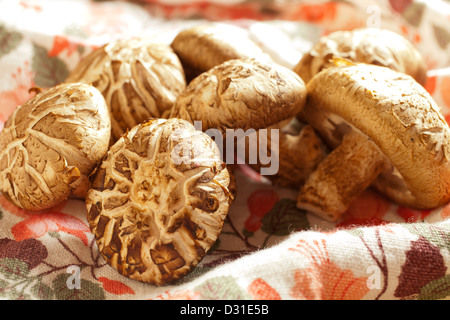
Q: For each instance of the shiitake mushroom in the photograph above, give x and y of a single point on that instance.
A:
(50, 145)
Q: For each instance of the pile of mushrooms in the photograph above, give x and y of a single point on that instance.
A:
(385, 130)
(367, 103)
(120, 133)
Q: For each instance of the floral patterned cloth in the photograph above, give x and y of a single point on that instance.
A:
(268, 248)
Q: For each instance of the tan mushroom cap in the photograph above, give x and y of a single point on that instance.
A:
(367, 45)
(158, 201)
(205, 46)
(241, 94)
(51, 143)
(397, 117)
(140, 79)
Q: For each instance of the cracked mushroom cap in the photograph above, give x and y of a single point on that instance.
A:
(51, 143)
(241, 94)
(398, 115)
(138, 78)
(158, 201)
(366, 45)
(205, 46)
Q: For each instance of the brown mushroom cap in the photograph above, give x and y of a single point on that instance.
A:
(51, 143)
(398, 117)
(139, 79)
(205, 46)
(241, 94)
(158, 201)
(367, 45)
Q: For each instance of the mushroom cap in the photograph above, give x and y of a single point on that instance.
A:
(396, 113)
(205, 46)
(158, 200)
(139, 79)
(367, 45)
(50, 143)
(241, 94)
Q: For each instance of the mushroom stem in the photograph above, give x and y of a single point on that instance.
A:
(80, 187)
(341, 177)
(298, 155)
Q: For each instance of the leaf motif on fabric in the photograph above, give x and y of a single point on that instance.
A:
(3, 287)
(400, 5)
(17, 259)
(88, 290)
(9, 40)
(285, 218)
(438, 236)
(442, 36)
(30, 251)
(49, 71)
(14, 269)
(355, 231)
(424, 263)
(221, 288)
(413, 14)
(42, 291)
(436, 289)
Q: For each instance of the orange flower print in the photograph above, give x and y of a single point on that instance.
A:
(61, 43)
(11, 99)
(445, 90)
(430, 84)
(445, 213)
(259, 203)
(400, 5)
(314, 13)
(261, 290)
(115, 287)
(447, 118)
(38, 225)
(368, 209)
(26, 5)
(183, 294)
(323, 279)
(10, 207)
(412, 215)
